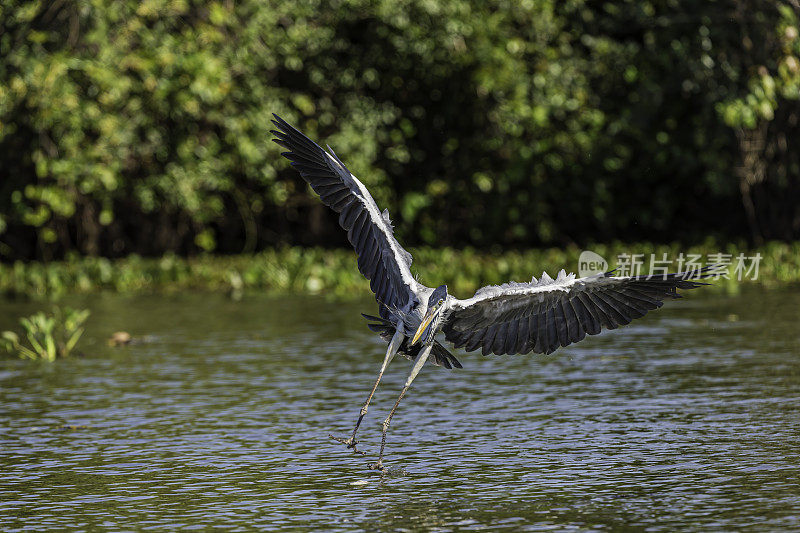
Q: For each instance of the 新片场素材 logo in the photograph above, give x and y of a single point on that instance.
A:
(590, 263)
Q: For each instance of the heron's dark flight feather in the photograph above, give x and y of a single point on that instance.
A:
(542, 315)
(381, 259)
(511, 318)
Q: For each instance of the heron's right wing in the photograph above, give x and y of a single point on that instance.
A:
(381, 259)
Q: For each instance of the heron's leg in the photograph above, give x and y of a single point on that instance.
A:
(394, 345)
(421, 358)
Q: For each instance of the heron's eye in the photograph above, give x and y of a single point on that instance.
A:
(441, 301)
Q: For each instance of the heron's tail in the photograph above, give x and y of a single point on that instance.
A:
(441, 355)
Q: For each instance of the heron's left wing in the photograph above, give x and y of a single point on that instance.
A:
(381, 259)
(518, 318)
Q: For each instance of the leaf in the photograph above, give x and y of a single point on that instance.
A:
(37, 346)
(72, 341)
(51, 348)
(11, 337)
(25, 353)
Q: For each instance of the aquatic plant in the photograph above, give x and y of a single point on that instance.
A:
(48, 336)
(330, 271)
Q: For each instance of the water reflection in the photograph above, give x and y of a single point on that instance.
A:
(688, 419)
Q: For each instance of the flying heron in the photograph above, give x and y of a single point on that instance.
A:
(512, 318)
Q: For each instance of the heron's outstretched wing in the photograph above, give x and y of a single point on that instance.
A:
(381, 259)
(518, 318)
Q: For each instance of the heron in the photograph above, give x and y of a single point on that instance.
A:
(538, 316)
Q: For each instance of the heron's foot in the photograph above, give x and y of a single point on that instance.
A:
(350, 443)
(379, 466)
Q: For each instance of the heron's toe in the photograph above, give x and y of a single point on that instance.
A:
(379, 466)
(350, 443)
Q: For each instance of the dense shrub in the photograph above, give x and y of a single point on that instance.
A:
(142, 126)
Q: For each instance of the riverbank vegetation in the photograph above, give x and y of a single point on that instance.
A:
(333, 271)
(130, 127)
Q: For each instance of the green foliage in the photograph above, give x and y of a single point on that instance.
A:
(142, 126)
(48, 336)
(771, 84)
(316, 270)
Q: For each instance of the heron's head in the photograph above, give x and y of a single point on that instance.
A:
(436, 305)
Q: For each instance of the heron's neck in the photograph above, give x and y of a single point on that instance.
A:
(446, 310)
(433, 328)
(437, 322)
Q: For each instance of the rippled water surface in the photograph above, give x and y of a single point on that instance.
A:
(687, 419)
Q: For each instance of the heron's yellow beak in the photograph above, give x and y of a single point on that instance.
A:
(425, 321)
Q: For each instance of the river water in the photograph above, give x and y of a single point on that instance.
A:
(688, 419)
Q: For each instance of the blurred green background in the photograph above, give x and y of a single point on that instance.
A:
(142, 127)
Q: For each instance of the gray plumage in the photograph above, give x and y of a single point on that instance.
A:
(540, 316)
(441, 356)
(381, 259)
(513, 318)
